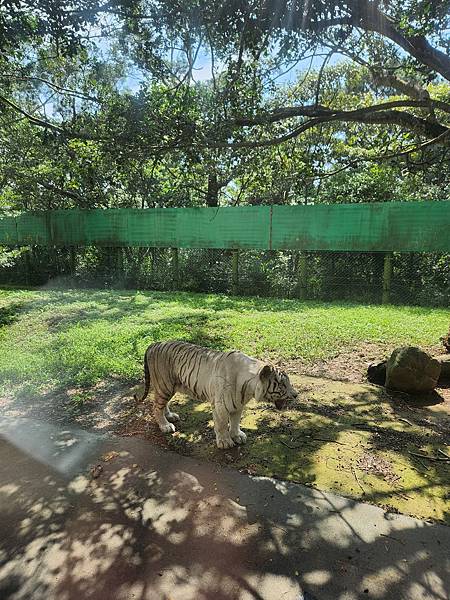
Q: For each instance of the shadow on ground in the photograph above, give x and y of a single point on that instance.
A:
(10, 313)
(345, 437)
(154, 525)
(351, 439)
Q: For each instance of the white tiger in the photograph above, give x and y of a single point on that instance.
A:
(228, 380)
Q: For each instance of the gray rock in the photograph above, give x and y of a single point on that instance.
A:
(410, 369)
(444, 360)
(376, 372)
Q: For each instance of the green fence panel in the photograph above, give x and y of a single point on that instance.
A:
(152, 227)
(106, 227)
(8, 231)
(89, 227)
(240, 227)
(34, 228)
(390, 226)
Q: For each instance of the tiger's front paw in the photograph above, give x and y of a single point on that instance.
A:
(167, 428)
(240, 437)
(224, 442)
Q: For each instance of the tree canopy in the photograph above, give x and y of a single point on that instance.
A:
(156, 102)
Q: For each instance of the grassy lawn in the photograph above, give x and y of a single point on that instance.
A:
(61, 338)
(82, 350)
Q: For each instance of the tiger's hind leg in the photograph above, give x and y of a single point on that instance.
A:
(171, 416)
(159, 412)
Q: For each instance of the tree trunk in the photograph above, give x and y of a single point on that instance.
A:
(212, 195)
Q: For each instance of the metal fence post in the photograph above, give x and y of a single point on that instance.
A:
(27, 265)
(302, 276)
(387, 276)
(175, 268)
(72, 260)
(235, 271)
(119, 260)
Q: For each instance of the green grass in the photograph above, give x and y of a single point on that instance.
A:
(52, 339)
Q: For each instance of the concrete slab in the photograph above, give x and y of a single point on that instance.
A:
(156, 525)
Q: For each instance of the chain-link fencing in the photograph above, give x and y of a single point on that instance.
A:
(375, 277)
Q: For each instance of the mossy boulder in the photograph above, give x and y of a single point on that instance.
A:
(412, 370)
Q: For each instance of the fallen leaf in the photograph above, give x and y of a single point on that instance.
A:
(110, 456)
(96, 471)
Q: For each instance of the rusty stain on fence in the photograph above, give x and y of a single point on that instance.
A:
(384, 227)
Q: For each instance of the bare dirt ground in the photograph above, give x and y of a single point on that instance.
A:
(351, 365)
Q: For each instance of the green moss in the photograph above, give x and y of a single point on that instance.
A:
(320, 440)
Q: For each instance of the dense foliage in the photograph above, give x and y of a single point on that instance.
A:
(162, 103)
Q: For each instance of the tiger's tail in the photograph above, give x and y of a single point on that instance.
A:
(147, 381)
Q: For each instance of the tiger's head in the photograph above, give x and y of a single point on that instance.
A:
(274, 386)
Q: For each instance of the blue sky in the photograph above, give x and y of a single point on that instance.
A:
(202, 69)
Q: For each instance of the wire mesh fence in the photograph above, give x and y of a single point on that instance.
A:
(368, 277)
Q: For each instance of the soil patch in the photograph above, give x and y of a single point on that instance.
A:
(351, 438)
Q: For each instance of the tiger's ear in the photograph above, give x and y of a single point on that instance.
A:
(265, 372)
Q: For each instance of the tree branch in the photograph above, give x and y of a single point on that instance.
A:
(366, 14)
(322, 111)
(66, 193)
(377, 114)
(52, 85)
(382, 76)
(372, 114)
(380, 158)
(31, 118)
(47, 125)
